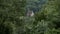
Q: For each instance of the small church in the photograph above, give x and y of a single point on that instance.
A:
(30, 13)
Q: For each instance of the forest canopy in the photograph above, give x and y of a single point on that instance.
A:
(13, 18)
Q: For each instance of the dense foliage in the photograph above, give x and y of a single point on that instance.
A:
(50, 13)
(10, 12)
(45, 21)
(35, 5)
